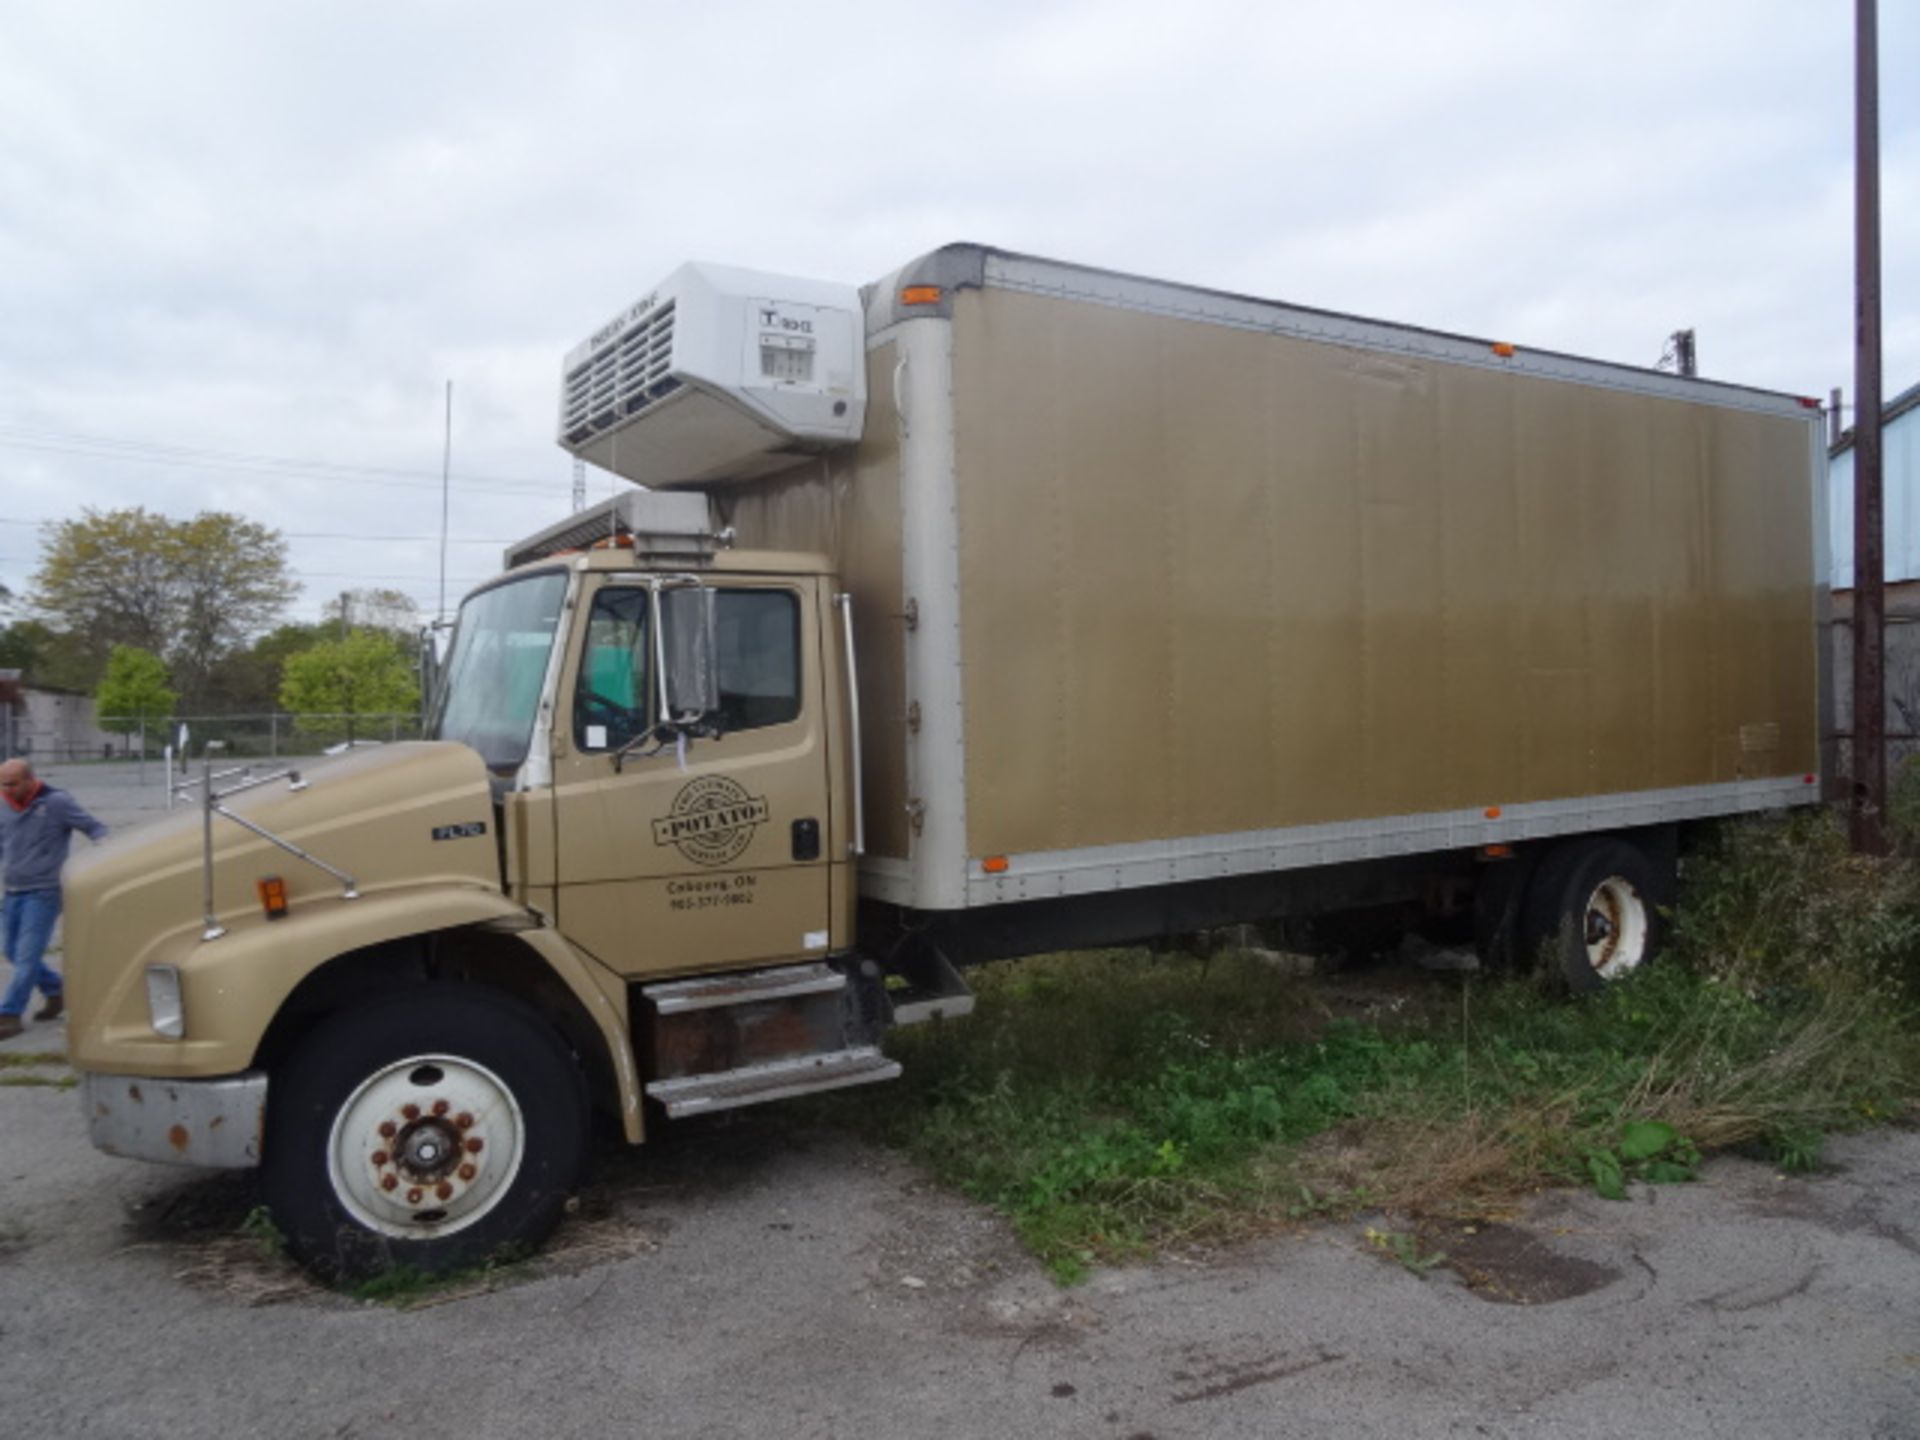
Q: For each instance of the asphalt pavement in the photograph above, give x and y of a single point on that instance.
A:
(748, 1279)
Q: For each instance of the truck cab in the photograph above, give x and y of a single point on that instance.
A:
(618, 875)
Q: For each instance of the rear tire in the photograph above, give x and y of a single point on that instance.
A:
(1592, 913)
(431, 1129)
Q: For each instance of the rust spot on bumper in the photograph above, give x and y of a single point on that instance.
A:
(177, 1137)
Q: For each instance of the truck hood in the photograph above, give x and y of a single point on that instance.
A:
(395, 817)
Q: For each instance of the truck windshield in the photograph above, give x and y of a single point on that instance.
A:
(490, 692)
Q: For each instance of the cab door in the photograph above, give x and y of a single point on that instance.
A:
(711, 855)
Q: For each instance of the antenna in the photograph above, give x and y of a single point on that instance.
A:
(446, 474)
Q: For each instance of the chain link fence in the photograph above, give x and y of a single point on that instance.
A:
(270, 736)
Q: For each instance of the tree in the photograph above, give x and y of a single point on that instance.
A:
(367, 673)
(134, 692)
(247, 682)
(48, 657)
(191, 591)
(388, 610)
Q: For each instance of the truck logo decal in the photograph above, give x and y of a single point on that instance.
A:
(712, 820)
(460, 832)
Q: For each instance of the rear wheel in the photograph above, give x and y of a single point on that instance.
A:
(1592, 911)
(430, 1129)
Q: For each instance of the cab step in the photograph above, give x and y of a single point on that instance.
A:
(783, 982)
(775, 1080)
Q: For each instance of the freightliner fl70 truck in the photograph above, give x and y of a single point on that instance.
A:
(1001, 606)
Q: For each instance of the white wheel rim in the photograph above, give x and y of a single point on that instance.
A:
(425, 1147)
(1615, 928)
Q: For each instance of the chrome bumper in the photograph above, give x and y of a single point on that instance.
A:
(215, 1123)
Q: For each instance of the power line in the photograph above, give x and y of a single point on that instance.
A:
(332, 535)
(149, 452)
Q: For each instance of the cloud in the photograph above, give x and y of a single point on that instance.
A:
(280, 230)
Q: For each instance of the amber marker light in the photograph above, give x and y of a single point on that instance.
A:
(273, 896)
(1496, 852)
(920, 295)
(1503, 349)
(1492, 812)
(994, 864)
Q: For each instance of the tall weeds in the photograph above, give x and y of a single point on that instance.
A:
(1114, 1102)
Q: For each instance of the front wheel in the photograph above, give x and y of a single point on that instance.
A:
(1592, 911)
(430, 1129)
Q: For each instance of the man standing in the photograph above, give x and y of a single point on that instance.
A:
(36, 826)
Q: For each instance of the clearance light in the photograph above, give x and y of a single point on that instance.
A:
(994, 864)
(1496, 852)
(273, 896)
(1492, 812)
(1807, 402)
(1810, 779)
(165, 1012)
(1503, 349)
(920, 295)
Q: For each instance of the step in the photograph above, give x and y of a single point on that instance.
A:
(774, 1080)
(709, 992)
(934, 991)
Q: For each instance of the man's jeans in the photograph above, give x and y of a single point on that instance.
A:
(26, 923)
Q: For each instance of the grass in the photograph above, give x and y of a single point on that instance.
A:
(1113, 1104)
(51, 1082)
(23, 1059)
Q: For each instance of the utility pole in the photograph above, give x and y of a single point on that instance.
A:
(446, 479)
(1869, 827)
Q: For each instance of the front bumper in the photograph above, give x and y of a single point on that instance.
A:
(215, 1123)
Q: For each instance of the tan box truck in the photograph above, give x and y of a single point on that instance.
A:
(1001, 606)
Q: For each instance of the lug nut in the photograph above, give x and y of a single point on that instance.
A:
(412, 1112)
(379, 1157)
(388, 1130)
(440, 1107)
(463, 1120)
(388, 1182)
(413, 1196)
(443, 1190)
(475, 1145)
(467, 1172)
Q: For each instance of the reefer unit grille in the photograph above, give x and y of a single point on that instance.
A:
(622, 378)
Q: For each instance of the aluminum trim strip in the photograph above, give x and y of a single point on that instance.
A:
(930, 534)
(887, 879)
(1158, 297)
(1102, 868)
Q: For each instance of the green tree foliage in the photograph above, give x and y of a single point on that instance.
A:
(191, 591)
(247, 682)
(367, 673)
(47, 656)
(135, 691)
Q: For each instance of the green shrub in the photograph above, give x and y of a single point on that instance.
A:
(1780, 905)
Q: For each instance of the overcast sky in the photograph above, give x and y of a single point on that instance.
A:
(253, 241)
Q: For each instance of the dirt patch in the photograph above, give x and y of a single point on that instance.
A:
(218, 1240)
(1508, 1265)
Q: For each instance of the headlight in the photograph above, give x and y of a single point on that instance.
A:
(163, 1001)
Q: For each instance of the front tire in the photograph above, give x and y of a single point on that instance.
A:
(432, 1129)
(1592, 912)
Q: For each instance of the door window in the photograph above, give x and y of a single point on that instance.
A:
(758, 660)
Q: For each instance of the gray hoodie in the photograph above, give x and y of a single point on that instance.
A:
(33, 841)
